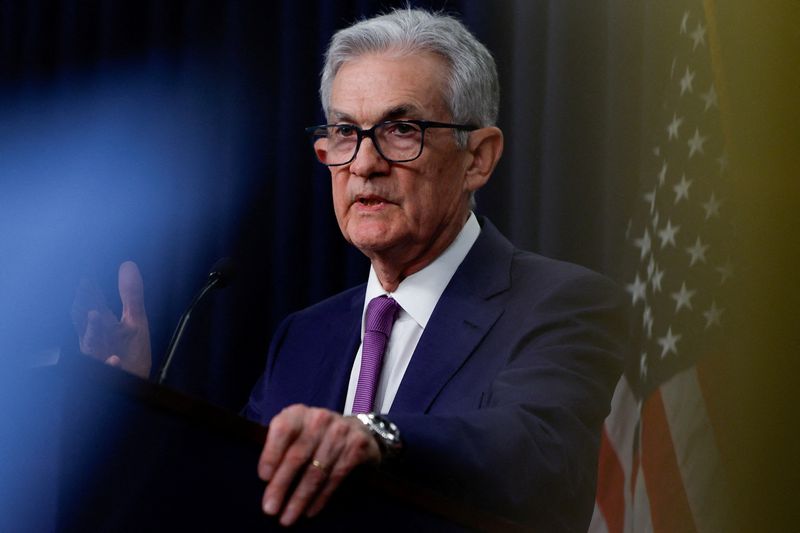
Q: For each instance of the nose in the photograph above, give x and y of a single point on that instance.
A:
(368, 161)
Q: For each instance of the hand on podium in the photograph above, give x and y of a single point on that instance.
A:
(124, 342)
(319, 448)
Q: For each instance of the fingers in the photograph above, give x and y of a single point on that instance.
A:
(134, 343)
(131, 293)
(323, 473)
(283, 454)
(315, 449)
(96, 338)
(87, 297)
(331, 454)
(314, 476)
(283, 429)
(123, 343)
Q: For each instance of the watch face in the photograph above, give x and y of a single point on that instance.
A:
(386, 433)
(386, 429)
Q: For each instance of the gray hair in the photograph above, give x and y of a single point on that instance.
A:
(472, 91)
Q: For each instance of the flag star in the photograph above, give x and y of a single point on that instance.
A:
(672, 68)
(696, 143)
(658, 275)
(726, 271)
(683, 298)
(667, 234)
(682, 189)
(650, 197)
(655, 219)
(713, 315)
(697, 251)
(662, 175)
(669, 343)
(710, 98)
(711, 207)
(647, 321)
(651, 267)
(686, 81)
(699, 36)
(637, 290)
(672, 129)
(643, 365)
(685, 22)
(643, 244)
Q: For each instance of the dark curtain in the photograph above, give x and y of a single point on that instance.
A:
(170, 133)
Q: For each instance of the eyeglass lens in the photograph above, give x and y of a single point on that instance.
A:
(396, 141)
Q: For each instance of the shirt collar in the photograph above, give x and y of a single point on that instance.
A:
(419, 292)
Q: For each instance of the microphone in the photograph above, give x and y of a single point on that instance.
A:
(220, 276)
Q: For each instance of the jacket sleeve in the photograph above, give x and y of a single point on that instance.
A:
(529, 450)
(260, 406)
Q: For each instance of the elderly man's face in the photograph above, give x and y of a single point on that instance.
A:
(403, 213)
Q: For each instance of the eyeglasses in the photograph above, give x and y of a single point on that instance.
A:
(398, 141)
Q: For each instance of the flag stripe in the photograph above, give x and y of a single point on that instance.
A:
(612, 500)
(621, 426)
(669, 508)
(640, 519)
(616, 460)
(598, 523)
(696, 451)
(634, 477)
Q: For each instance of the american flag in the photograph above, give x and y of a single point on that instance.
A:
(661, 461)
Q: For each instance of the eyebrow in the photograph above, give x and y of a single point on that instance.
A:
(394, 113)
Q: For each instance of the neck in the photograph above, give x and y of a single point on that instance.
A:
(392, 268)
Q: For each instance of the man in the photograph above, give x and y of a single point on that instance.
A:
(499, 365)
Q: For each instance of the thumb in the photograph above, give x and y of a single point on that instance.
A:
(131, 292)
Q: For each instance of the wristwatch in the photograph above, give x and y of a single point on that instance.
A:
(385, 433)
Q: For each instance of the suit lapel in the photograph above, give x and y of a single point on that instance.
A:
(463, 316)
(341, 343)
(446, 344)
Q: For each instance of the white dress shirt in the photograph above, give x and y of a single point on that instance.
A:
(417, 295)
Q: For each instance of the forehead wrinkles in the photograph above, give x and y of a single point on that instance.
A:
(393, 113)
(378, 87)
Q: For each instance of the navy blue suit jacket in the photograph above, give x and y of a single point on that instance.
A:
(504, 398)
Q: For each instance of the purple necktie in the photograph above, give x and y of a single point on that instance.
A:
(381, 312)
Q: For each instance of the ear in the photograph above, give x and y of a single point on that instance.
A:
(485, 145)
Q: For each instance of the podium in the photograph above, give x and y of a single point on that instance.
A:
(113, 452)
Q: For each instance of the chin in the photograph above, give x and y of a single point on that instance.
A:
(370, 235)
(370, 245)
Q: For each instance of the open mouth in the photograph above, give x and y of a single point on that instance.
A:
(369, 201)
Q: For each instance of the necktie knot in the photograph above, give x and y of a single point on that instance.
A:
(381, 312)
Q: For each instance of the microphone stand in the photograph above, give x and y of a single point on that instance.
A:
(214, 279)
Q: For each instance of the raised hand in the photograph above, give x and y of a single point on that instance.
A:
(124, 343)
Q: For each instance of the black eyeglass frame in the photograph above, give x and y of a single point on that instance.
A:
(423, 125)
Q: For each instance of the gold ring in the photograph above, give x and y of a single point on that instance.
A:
(320, 466)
